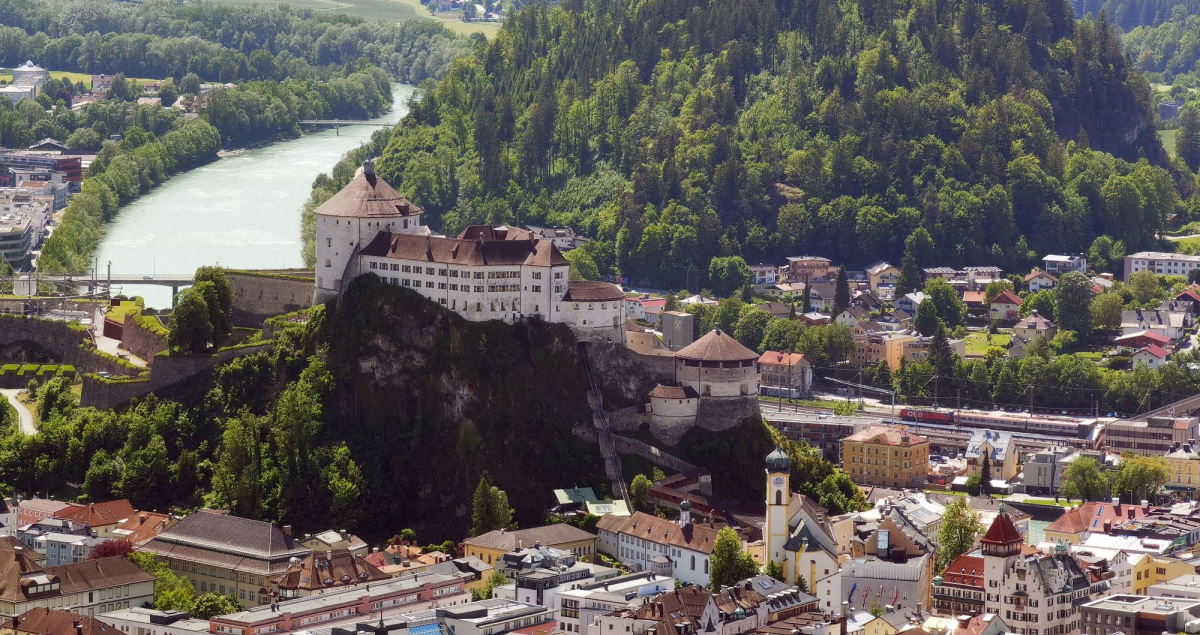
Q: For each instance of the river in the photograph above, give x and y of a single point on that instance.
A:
(240, 211)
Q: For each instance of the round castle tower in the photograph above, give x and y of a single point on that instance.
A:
(352, 218)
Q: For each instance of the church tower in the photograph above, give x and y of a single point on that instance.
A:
(1001, 546)
(779, 494)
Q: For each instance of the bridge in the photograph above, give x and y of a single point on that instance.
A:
(174, 280)
(336, 124)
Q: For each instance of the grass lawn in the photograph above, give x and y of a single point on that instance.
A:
(1187, 245)
(977, 344)
(1168, 140)
(86, 78)
(386, 10)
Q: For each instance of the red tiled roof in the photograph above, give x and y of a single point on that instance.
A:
(365, 196)
(1007, 297)
(717, 346)
(886, 435)
(966, 570)
(1149, 335)
(1002, 531)
(44, 621)
(1153, 350)
(143, 526)
(974, 297)
(97, 514)
(1192, 293)
(1039, 274)
(778, 358)
(1093, 514)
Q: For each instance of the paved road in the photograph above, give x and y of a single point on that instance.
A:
(1178, 238)
(26, 417)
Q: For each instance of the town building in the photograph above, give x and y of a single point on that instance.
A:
(1043, 470)
(1168, 323)
(676, 549)
(102, 518)
(797, 536)
(1186, 585)
(787, 374)
(138, 620)
(1183, 459)
(693, 609)
(86, 588)
(348, 605)
(891, 563)
(564, 238)
(881, 279)
(910, 301)
(14, 161)
(1076, 524)
(1150, 570)
(22, 226)
(65, 548)
(808, 268)
(486, 273)
(716, 369)
(887, 456)
(1127, 614)
(765, 274)
(322, 570)
(1057, 264)
(226, 554)
(1031, 590)
(579, 607)
(822, 431)
(959, 589)
(142, 526)
(540, 574)
(1141, 339)
(1005, 307)
(1151, 436)
(917, 348)
(872, 346)
(492, 546)
(1034, 326)
(1001, 450)
(645, 308)
(483, 617)
(966, 624)
(678, 329)
(1161, 263)
(27, 82)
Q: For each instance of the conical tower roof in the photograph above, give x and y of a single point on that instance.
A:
(367, 196)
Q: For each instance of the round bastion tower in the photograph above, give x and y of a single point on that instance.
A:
(350, 220)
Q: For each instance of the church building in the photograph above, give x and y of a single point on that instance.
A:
(486, 273)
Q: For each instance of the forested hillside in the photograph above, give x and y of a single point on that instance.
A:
(221, 43)
(1171, 48)
(675, 131)
(1128, 14)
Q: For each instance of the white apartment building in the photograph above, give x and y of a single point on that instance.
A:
(649, 543)
(1162, 263)
(580, 607)
(486, 273)
(65, 548)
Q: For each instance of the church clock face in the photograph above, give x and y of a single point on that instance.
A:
(778, 481)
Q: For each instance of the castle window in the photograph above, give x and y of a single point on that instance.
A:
(537, 288)
(374, 265)
(329, 242)
(327, 263)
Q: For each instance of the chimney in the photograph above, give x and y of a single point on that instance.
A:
(79, 628)
(287, 530)
(142, 518)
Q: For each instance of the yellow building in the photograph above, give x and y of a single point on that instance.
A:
(872, 346)
(491, 546)
(1149, 570)
(1184, 461)
(887, 456)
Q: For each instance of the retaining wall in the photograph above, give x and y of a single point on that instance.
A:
(140, 340)
(166, 371)
(625, 377)
(259, 295)
(66, 342)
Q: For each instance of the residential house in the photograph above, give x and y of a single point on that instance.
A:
(881, 279)
(1152, 435)
(852, 315)
(47, 621)
(692, 609)
(765, 274)
(1001, 450)
(1186, 585)
(1030, 589)
(866, 299)
(676, 549)
(1043, 470)
(1190, 296)
(800, 268)
(814, 318)
(1039, 280)
(910, 301)
(1169, 324)
(945, 273)
(1123, 614)
(892, 564)
(1034, 326)
(821, 296)
(331, 540)
(1057, 264)
(65, 548)
(787, 291)
(645, 308)
(887, 456)
(1183, 460)
(698, 299)
(574, 499)
(975, 300)
(86, 588)
(966, 624)
(142, 526)
(977, 278)
(32, 510)
(788, 371)
(917, 348)
(1005, 307)
(226, 554)
(579, 607)
(1152, 356)
(102, 518)
(1161, 263)
(873, 345)
(1141, 339)
(540, 574)
(1150, 570)
(564, 238)
(1074, 526)
(490, 547)
(778, 309)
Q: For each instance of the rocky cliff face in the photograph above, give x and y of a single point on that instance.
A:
(427, 401)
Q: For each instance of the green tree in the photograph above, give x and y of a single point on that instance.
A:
(55, 398)
(1072, 304)
(781, 335)
(1145, 287)
(974, 485)
(1187, 140)
(841, 294)
(1105, 311)
(489, 508)
(957, 532)
(583, 267)
(1141, 477)
(1040, 301)
(220, 315)
(729, 562)
(985, 475)
(995, 288)
(926, 321)
(209, 605)
(190, 324)
(729, 275)
(1105, 253)
(806, 298)
(171, 592)
(485, 592)
(1083, 480)
(639, 493)
(751, 326)
(774, 570)
(946, 301)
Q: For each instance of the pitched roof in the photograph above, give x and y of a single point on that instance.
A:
(779, 358)
(1002, 531)
(547, 535)
(662, 391)
(966, 570)
(143, 526)
(98, 574)
(464, 251)
(695, 537)
(44, 621)
(366, 196)
(974, 297)
(886, 435)
(15, 564)
(1039, 274)
(1149, 335)
(98, 514)
(1152, 350)
(589, 290)
(1034, 321)
(717, 346)
(1006, 297)
(1093, 516)
(211, 531)
(495, 232)
(326, 570)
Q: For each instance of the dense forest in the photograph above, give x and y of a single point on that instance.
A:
(674, 132)
(1128, 14)
(1169, 50)
(219, 43)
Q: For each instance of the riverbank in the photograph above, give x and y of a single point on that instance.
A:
(240, 211)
